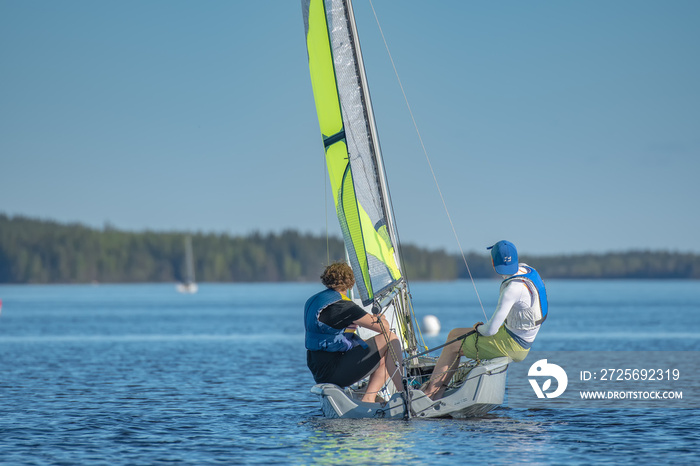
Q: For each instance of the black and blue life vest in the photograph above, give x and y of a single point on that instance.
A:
(322, 337)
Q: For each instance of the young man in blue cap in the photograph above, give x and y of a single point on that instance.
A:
(521, 309)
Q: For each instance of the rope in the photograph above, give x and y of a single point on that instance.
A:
(325, 209)
(454, 365)
(425, 152)
(404, 382)
(390, 348)
(449, 369)
(412, 316)
(476, 347)
(462, 337)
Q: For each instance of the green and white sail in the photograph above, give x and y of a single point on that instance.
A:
(353, 156)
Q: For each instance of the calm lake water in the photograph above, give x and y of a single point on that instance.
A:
(139, 374)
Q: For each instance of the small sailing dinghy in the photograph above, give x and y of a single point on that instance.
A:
(188, 285)
(364, 210)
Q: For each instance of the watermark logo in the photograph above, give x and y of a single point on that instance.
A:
(542, 368)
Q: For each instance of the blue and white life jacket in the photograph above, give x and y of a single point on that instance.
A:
(529, 319)
(322, 337)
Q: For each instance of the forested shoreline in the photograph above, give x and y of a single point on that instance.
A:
(41, 251)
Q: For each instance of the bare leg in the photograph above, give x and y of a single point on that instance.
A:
(376, 381)
(387, 367)
(446, 364)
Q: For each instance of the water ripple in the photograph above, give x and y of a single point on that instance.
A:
(152, 379)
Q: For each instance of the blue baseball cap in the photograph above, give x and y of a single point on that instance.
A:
(504, 257)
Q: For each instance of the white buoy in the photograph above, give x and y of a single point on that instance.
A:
(431, 325)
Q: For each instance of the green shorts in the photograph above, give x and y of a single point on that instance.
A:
(496, 346)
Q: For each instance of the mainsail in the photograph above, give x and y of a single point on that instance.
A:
(353, 156)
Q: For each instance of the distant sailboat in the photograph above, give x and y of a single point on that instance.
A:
(188, 285)
(366, 218)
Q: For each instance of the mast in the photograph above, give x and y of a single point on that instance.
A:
(189, 261)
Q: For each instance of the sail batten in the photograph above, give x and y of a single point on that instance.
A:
(353, 156)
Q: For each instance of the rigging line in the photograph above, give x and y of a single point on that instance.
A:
(325, 206)
(462, 337)
(420, 138)
(398, 365)
(420, 332)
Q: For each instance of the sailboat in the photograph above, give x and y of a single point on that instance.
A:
(188, 285)
(363, 205)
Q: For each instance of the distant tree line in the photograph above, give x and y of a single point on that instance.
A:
(39, 251)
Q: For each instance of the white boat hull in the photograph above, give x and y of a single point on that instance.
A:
(483, 390)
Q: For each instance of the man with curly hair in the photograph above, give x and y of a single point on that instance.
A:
(335, 353)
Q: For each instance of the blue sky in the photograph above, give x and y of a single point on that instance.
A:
(565, 127)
